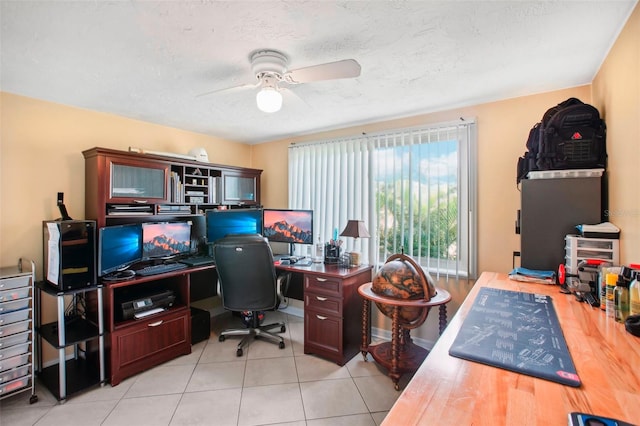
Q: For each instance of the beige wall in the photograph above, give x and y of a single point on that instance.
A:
(41, 155)
(616, 93)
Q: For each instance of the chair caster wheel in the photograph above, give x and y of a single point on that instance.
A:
(283, 329)
(281, 345)
(221, 339)
(33, 399)
(239, 352)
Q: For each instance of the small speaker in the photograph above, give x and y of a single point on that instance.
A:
(200, 325)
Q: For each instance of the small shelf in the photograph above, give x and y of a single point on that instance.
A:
(77, 330)
(118, 325)
(80, 374)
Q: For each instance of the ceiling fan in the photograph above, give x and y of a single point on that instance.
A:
(270, 69)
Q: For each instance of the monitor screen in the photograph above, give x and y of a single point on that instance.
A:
(165, 239)
(119, 247)
(235, 221)
(288, 226)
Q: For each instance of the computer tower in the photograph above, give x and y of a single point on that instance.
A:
(69, 253)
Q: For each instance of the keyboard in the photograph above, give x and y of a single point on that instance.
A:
(160, 269)
(197, 260)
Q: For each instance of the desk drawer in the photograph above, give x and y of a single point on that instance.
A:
(15, 294)
(15, 316)
(323, 335)
(15, 282)
(145, 344)
(15, 350)
(319, 302)
(318, 284)
(14, 339)
(136, 343)
(14, 305)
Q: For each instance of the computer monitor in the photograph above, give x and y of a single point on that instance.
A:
(165, 239)
(288, 226)
(232, 221)
(119, 247)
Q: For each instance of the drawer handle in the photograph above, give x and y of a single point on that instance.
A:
(321, 279)
(320, 317)
(155, 324)
(322, 299)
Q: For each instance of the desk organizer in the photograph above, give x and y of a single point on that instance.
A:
(331, 254)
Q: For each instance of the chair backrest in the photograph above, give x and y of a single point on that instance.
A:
(246, 272)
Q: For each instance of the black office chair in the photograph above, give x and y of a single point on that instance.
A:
(248, 283)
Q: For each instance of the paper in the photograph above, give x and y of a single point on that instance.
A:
(53, 260)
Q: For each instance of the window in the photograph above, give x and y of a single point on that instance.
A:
(412, 187)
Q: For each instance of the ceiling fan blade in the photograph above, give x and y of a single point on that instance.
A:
(232, 88)
(347, 68)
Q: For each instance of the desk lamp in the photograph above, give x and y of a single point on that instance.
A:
(355, 229)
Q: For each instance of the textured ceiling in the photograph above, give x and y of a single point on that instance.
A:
(149, 60)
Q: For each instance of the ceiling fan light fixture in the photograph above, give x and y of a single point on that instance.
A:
(269, 99)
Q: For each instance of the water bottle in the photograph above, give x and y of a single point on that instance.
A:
(634, 295)
(319, 251)
(612, 279)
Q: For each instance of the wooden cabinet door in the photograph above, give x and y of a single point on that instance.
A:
(323, 335)
(141, 346)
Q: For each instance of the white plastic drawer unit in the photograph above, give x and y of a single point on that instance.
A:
(581, 248)
(17, 329)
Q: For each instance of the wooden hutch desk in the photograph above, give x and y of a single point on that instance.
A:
(451, 391)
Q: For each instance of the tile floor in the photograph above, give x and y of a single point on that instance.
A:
(211, 386)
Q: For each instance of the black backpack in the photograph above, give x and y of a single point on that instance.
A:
(571, 135)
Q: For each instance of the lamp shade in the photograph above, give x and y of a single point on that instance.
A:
(269, 99)
(355, 229)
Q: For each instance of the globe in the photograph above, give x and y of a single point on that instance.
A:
(402, 278)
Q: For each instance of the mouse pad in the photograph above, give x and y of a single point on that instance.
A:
(516, 331)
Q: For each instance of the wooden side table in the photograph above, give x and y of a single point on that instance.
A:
(401, 355)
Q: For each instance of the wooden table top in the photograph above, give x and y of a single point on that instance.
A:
(451, 391)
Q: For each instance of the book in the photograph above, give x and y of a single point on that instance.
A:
(533, 276)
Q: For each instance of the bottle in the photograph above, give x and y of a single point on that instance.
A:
(602, 287)
(319, 251)
(621, 298)
(612, 279)
(634, 294)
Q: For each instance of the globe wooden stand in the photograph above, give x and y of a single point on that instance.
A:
(401, 355)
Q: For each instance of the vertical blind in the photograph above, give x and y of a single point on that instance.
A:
(413, 188)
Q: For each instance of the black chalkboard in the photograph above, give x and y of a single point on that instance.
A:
(518, 332)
